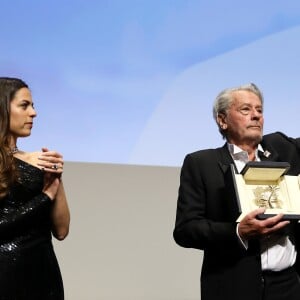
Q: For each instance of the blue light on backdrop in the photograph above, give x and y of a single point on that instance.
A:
(134, 81)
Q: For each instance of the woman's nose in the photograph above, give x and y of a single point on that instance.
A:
(33, 112)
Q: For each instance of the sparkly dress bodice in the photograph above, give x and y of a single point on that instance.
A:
(28, 265)
(25, 212)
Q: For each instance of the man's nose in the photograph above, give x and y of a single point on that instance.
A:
(256, 114)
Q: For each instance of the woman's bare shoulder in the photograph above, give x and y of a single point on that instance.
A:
(29, 157)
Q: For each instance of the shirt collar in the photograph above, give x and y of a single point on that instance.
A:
(238, 153)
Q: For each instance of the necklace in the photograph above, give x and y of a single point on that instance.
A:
(14, 150)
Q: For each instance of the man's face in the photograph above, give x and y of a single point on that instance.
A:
(244, 120)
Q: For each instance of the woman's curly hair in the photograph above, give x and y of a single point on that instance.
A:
(8, 88)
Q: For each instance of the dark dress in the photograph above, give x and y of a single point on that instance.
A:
(28, 265)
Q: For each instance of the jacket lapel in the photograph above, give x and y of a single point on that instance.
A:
(225, 159)
(269, 153)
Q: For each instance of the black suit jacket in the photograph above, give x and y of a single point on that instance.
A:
(206, 219)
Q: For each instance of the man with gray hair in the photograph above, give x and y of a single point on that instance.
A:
(253, 259)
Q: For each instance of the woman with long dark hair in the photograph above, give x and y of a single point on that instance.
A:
(33, 204)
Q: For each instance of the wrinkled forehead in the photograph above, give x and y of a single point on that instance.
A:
(245, 97)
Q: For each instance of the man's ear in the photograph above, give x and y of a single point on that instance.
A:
(221, 120)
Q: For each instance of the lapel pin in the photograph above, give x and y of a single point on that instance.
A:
(267, 153)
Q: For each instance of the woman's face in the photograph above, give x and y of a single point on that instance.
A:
(21, 113)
